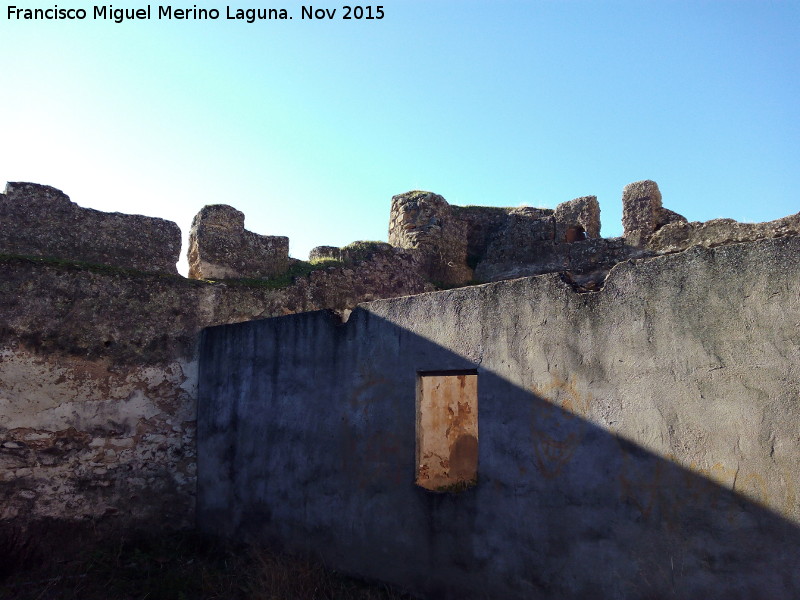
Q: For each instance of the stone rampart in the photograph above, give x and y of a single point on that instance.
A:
(642, 212)
(466, 244)
(681, 235)
(221, 248)
(424, 223)
(98, 365)
(38, 220)
(98, 378)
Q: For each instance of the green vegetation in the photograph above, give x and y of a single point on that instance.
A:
(458, 486)
(366, 246)
(300, 268)
(85, 266)
(188, 566)
(362, 250)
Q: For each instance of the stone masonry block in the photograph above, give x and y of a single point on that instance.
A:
(221, 248)
(582, 213)
(424, 223)
(641, 210)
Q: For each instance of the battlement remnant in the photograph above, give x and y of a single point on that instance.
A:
(39, 220)
(681, 235)
(460, 244)
(642, 213)
(325, 252)
(221, 248)
(577, 219)
(355, 252)
(425, 224)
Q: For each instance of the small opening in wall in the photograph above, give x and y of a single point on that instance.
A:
(575, 233)
(447, 430)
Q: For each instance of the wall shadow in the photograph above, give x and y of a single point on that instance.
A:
(306, 440)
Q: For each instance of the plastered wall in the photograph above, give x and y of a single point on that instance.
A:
(636, 442)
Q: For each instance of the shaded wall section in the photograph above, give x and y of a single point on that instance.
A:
(637, 442)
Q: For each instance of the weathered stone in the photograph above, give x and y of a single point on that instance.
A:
(509, 261)
(423, 223)
(325, 252)
(596, 256)
(38, 220)
(487, 224)
(355, 252)
(98, 371)
(667, 216)
(641, 211)
(576, 217)
(221, 248)
(680, 235)
(98, 366)
(364, 250)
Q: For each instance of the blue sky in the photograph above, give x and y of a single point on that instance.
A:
(309, 127)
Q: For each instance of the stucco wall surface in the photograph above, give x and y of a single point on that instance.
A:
(636, 442)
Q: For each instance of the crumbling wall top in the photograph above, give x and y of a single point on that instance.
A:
(681, 235)
(221, 248)
(577, 219)
(39, 220)
(425, 224)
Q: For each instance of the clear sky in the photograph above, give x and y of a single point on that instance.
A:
(311, 126)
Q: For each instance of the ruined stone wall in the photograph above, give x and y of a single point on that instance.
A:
(424, 224)
(98, 372)
(680, 235)
(98, 335)
(636, 442)
(221, 248)
(98, 379)
(467, 244)
(38, 220)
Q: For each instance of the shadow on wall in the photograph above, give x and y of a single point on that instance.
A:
(307, 440)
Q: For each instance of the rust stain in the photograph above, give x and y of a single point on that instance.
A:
(557, 428)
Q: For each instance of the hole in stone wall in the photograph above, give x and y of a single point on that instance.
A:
(447, 430)
(575, 233)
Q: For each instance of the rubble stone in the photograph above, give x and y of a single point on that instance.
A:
(39, 220)
(681, 235)
(221, 248)
(580, 213)
(641, 211)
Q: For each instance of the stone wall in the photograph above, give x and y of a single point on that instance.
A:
(636, 442)
(424, 224)
(98, 373)
(457, 245)
(642, 212)
(98, 336)
(221, 248)
(680, 235)
(38, 220)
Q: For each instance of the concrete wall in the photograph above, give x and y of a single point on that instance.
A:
(636, 442)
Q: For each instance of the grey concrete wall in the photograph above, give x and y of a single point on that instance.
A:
(637, 442)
